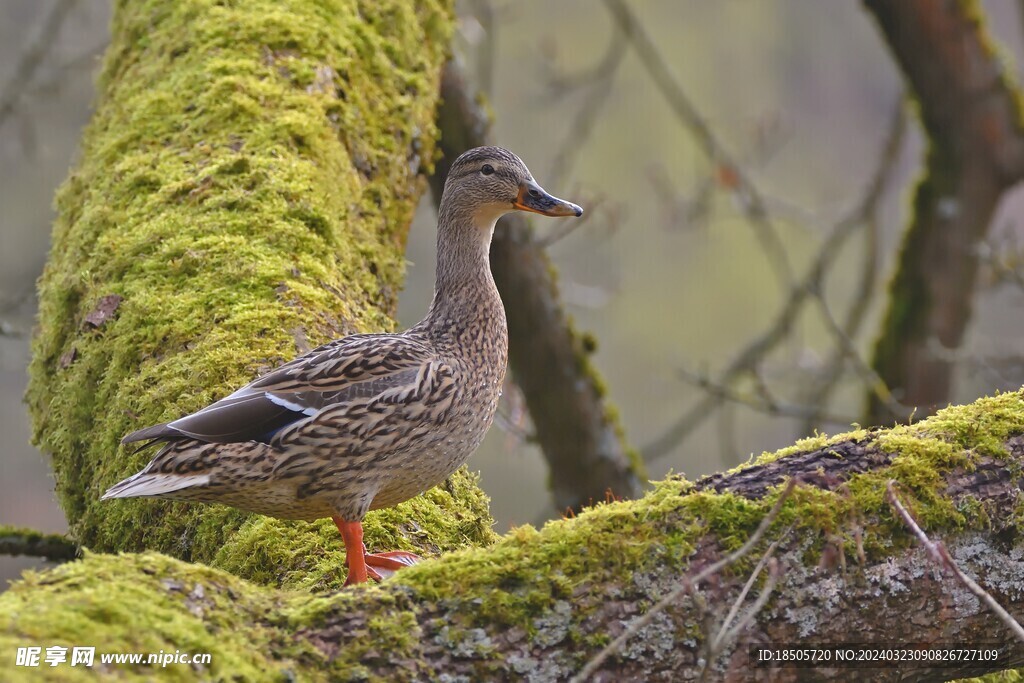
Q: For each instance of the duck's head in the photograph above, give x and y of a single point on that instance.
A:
(491, 181)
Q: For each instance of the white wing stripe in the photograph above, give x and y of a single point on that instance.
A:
(285, 403)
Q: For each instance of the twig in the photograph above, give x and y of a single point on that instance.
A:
(868, 375)
(681, 211)
(602, 78)
(32, 58)
(867, 210)
(484, 13)
(753, 203)
(728, 635)
(724, 630)
(938, 552)
(750, 357)
(763, 403)
(54, 547)
(685, 586)
(560, 83)
(774, 572)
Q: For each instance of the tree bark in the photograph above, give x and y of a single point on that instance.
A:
(244, 192)
(577, 430)
(970, 112)
(539, 604)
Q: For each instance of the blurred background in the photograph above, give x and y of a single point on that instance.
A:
(669, 270)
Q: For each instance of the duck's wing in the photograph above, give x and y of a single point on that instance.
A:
(358, 366)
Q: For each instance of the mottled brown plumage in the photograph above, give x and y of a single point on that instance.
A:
(370, 420)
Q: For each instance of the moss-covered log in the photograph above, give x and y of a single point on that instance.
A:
(538, 604)
(244, 192)
(16, 541)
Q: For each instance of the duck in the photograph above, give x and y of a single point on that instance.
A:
(369, 420)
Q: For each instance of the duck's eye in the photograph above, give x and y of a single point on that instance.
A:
(487, 169)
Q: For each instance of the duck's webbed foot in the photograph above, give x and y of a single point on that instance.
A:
(362, 565)
(384, 565)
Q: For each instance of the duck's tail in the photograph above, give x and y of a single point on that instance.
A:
(145, 484)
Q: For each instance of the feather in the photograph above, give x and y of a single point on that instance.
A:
(359, 366)
(144, 484)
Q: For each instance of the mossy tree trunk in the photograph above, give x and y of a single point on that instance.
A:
(970, 110)
(539, 604)
(244, 192)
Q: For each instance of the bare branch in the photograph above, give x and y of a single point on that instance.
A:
(763, 402)
(687, 584)
(866, 212)
(748, 360)
(560, 83)
(599, 80)
(54, 547)
(33, 57)
(937, 551)
(774, 572)
(750, 198)
(726, 633)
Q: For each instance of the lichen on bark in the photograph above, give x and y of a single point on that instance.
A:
(244, 191)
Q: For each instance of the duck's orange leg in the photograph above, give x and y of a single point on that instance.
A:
(363, 565)
(355, 551)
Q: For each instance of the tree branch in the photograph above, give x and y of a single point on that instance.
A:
(33, 57)
(687, 585)
(808, 289)
(970, 112)
(755, 208)
(541, 604)
(32, 543)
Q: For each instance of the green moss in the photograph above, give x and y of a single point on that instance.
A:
(924, 452)
(535, 568)
(247, 181)
(145, 603)
(584, 346)
(309, 556)
(534, 580)
(20, 541)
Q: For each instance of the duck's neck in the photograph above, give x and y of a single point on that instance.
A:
(464, 287)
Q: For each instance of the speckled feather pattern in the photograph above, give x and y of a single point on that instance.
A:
(366, 421)
(365, 452)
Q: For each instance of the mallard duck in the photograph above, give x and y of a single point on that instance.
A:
(369, 420)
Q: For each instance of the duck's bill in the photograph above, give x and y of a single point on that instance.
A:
(532, 197)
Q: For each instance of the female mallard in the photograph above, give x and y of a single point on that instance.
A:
(370, 420)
